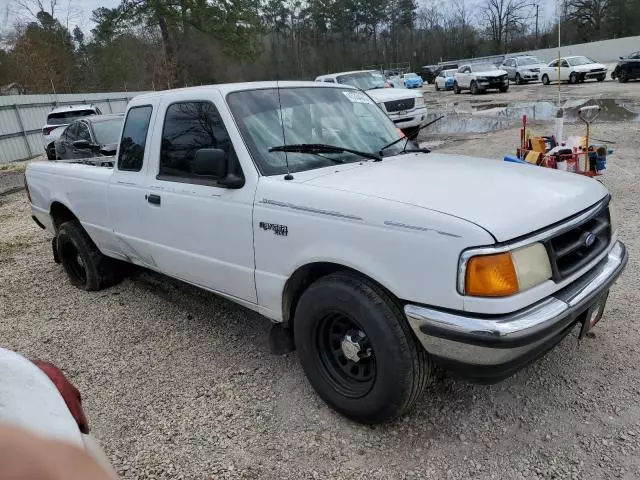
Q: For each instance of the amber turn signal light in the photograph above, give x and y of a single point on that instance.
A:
(491, 276)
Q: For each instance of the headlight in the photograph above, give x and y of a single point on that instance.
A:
(420, 101)
(506, 273)
(482, 79)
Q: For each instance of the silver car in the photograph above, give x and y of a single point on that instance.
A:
(522, 69)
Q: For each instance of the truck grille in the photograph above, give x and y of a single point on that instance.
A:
(572, 249)
(597, 70)
(397, 105)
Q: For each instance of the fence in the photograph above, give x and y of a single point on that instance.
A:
(23, 116)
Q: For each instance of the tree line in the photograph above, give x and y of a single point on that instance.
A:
(158, 44)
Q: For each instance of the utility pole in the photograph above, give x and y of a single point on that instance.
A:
(537, 7)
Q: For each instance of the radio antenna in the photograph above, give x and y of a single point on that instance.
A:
(288, 176)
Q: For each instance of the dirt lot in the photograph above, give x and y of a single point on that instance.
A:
(180, 384)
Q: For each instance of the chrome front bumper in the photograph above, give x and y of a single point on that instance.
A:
(489, 348)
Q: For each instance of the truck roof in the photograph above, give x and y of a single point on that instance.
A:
(225, 88)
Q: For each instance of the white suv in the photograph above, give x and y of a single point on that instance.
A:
(479, 77)
(57, 121)
(404, 107)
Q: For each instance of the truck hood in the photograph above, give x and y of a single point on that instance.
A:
(508, 200)
(388, 94)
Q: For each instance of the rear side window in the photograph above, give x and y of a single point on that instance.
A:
(188, 127)
(134, 138)
(62, 118)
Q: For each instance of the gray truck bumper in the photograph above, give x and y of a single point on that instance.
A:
(489, 348)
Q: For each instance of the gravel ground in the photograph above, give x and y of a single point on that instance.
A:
(180, 384)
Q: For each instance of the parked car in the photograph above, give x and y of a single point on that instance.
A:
(573, 70)
(92, 136)
(412, 80)
(374, 259)
(429, 73)
(480, 77)
(37, 397)
(522, 69)
(405, 108)
(445, 79)
(628, 68)
(58, 119)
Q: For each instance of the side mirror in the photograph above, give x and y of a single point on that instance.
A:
(82, 144)
(621, 58)
(211, 162)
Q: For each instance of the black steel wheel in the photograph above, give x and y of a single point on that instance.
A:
(545, 79)
(86, 267)
(357, 348)
(346, 353)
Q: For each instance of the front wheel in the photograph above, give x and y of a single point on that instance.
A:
(87, 268)
(504, 88)
(623, 77)
(519, 79)
(573, 78)
(358, 350)
(600, 78)
(437, 87)
(545, 79)
(474, 88)
(456, 88)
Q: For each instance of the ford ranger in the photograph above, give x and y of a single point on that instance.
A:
(299, 200)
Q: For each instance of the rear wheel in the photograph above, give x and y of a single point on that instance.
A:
(86, 267)
(601, 78)
(51, 152)
(573, 78)
(456, 88)
(437, 87)
(358, 350)
(545, 79)
(623, 77)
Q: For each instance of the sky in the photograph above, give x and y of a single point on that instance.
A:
(80, 11)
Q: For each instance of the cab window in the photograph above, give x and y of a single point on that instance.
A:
(134, 138)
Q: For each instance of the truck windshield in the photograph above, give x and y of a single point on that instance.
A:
(362, 80)
(339, 117)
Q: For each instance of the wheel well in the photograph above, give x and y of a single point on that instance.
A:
(304, 276)
(60, 214)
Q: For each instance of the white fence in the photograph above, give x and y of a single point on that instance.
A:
(23, 116)
(604, 51)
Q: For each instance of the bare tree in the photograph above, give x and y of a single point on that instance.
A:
(22, 8)
(504, 17)
(589, 14)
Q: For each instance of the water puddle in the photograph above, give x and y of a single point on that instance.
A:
(478, 116)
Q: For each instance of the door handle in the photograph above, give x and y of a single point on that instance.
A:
(153, 198)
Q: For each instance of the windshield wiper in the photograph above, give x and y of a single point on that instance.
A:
(316, 148)
(404, 150)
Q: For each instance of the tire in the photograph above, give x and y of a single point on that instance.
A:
(395, 369)
(474, 88)
(86, 267)
(545, 79)
(51, 152)
(456, 88)
(601, 78)
(504, 89)
(573, 78)
(437, 87)
(519, 80)
(623, 77)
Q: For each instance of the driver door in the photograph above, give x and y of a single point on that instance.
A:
(565, 71)
(64, 147)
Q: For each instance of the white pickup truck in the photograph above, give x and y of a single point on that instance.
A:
(298, 201)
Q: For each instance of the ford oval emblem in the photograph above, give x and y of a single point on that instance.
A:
(589, 239)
